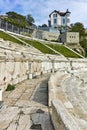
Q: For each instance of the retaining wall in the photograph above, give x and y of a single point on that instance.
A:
(45, 35)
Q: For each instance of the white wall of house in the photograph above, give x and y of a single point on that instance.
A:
(52, 20)
(68, 19)
(57, 19)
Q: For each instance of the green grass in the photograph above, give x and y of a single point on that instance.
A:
(64, 51)
(10, 87)
(60, 48)
(7, 37)
(39, 46)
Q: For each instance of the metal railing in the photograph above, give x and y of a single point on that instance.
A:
(7, 26)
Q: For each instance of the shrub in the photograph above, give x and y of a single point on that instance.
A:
(54, 41)
(10, 87)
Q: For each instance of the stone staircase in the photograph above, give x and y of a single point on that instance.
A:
(26, 107)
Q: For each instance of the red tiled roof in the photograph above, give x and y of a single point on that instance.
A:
(60, 13)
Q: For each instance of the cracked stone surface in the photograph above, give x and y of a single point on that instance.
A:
(25, 108)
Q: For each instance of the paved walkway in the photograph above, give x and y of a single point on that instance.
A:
(26, 107)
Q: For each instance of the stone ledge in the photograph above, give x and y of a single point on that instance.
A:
(56, 80)
(62, 120)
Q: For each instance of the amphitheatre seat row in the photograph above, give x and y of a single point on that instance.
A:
(17, 47)
(18, 62)
(68, 101)
(7, 47)
(9, 50)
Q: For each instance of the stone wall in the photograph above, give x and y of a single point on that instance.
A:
(45, 35)
(16, 68)
(13, 67)
(69, 38)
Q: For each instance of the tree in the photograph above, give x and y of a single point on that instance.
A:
(83, 43)
(44, 25)
(16, 19)
(30, 20)
(15, 15)
(60, 29)
(78, 27)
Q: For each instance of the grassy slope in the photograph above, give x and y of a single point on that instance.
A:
(39, 46)
(64, 51)
(9, 38)
(33, 43)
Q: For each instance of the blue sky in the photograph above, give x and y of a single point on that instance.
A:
(40, 9)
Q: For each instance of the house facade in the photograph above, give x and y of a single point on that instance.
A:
(59, 21)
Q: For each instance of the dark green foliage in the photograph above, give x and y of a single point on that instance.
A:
(53, 40)
(29, 19)
(10, 87)
(19, 20)
(83, 43)
(15, 15)
(78, 27)
(44, 25)
(16, 19)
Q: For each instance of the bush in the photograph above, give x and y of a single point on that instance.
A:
(54, 41)
(83, 43)
(10, 87)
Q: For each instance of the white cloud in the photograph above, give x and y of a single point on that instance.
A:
(40, 9)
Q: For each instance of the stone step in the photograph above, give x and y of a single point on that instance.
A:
(70, 89)
(61, 118)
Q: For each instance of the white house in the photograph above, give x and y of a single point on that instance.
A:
(59, 21)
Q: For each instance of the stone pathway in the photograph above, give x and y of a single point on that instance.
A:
(26, 108)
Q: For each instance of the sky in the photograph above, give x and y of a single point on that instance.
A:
(40, 9)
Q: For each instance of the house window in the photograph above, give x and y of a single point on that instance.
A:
(55, 21)
(55, 27)
(63, 21)
(54, 15)
(49, 23)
